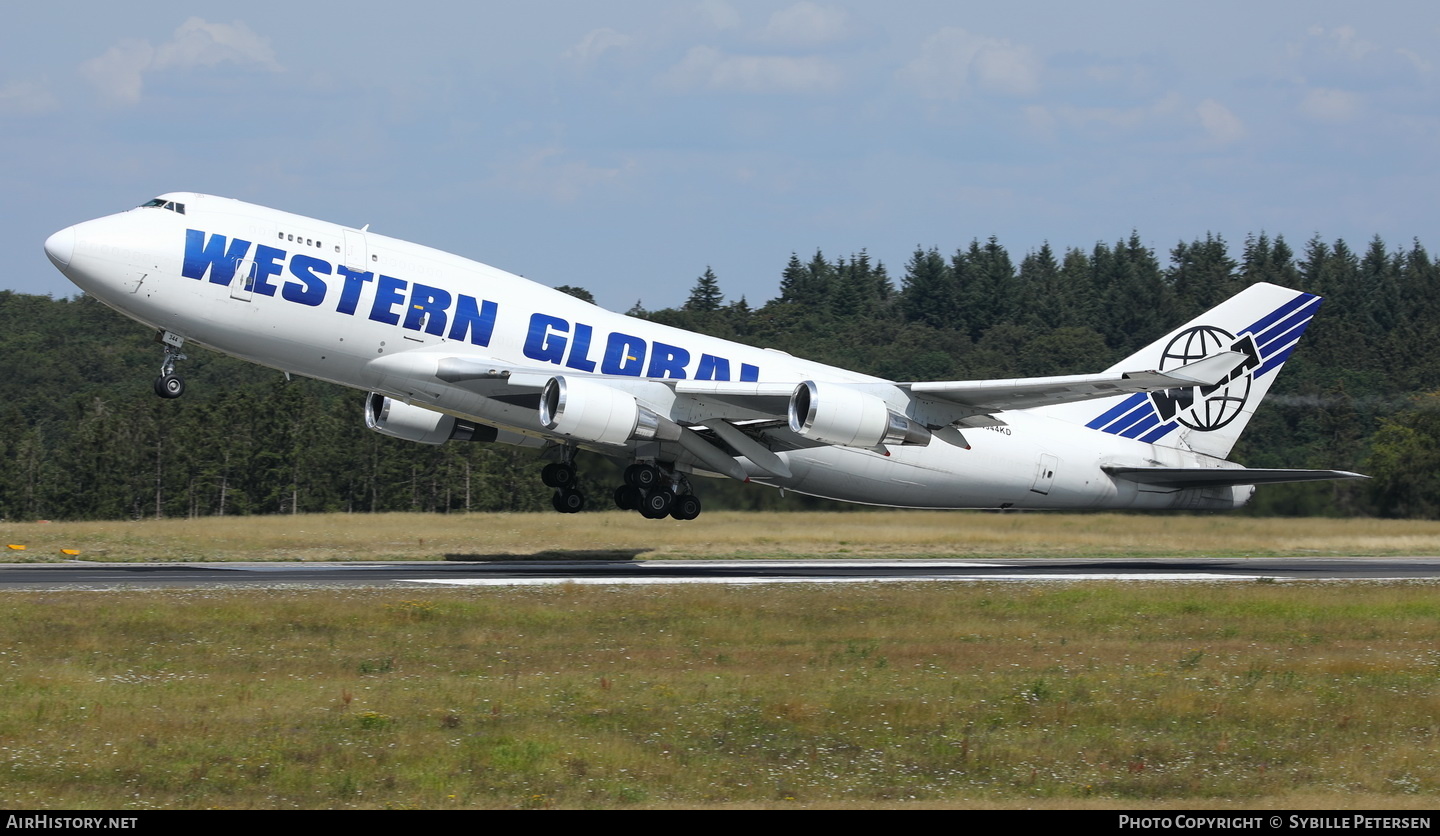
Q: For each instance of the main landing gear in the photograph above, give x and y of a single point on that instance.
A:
(169, 384)
(655, 491)
(561, 476)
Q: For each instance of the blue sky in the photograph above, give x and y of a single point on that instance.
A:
(626, 146)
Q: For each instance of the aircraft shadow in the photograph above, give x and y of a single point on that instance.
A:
(549, 555)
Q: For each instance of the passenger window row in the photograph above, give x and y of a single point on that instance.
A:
(300, 239)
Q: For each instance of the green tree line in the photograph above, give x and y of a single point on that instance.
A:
(84, 438)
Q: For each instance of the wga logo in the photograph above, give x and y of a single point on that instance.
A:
(1206, 408)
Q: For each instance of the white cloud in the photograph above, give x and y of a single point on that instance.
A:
(806, 24)
(596, 43)
(1219, 122)
(708, 68)
(718, 14)
(1342, 41)
(25, 97)
(547, 172)
(119, 74)
(954, 62)
(1108, 121)
(198, 43)
(1329, 105)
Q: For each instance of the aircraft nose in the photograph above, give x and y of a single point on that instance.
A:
(61, 246)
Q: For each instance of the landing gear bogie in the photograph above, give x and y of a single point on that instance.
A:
(654, 490)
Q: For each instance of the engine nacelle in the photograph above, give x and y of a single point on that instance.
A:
(836, 414)
(398, 419)
(590, 410)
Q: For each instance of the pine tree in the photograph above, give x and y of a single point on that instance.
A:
(929, 294)
(705, 296)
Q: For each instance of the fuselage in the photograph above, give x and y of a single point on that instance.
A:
(371, 312)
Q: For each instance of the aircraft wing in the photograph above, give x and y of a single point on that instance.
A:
(868, 414)
(1218, 477)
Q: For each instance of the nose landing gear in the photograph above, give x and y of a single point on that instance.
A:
(170, 385)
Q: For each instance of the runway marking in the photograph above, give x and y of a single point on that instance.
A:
(1117, 576)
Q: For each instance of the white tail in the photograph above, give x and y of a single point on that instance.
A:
(1263, 323)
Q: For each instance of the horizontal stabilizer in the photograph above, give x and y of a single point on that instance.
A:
(1025, 393)
(1217, 477)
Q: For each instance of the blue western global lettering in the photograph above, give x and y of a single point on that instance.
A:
(268, 262)
(350, 294)
(479, 324)
(310, 290)
(549, 339)
(427, 309)
(387, 296)
(212, 255)
(544, 341)
(579, 354)
(431, 309)
(668, 361)
(624, 354)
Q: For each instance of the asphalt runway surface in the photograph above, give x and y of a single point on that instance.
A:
(83, 575)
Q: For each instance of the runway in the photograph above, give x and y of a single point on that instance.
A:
(496, 572)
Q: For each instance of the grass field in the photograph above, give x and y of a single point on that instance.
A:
(887, 533)
(1132, 695)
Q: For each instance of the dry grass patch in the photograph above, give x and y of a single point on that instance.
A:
(322, 537)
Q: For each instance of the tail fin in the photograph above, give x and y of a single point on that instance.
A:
(1263, 322)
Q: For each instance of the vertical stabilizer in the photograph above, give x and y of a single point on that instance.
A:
(1263, 323)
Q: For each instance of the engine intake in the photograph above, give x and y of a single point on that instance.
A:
(836, 414)
(592, 411)
(398, 419)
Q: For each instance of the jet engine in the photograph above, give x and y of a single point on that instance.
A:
(592, 411)
(836, 414)
(398, 419)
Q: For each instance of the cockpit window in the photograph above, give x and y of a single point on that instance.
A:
(162, 203)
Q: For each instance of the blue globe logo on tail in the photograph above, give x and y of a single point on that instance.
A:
(1206, 408)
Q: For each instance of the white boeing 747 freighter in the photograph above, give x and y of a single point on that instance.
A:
(451, 350)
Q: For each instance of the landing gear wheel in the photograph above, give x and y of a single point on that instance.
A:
(686, 507)
(628, 498)
(557, 475)
(642, 476)
(169, 386)
(568, 501)
(657, 505)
